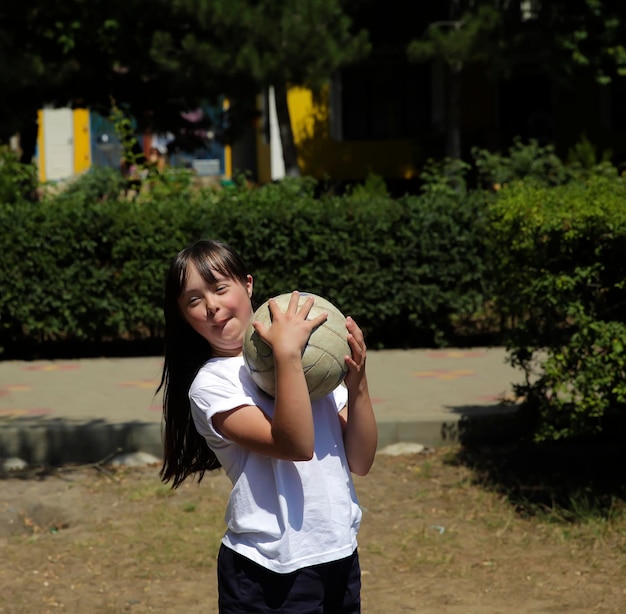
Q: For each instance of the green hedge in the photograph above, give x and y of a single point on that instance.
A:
(559, 265)
(92, 269)
(542, 256)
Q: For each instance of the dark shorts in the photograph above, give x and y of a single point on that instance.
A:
(247, 588)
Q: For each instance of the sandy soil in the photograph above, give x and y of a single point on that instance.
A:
(433, 541)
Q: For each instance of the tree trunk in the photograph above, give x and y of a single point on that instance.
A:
(453, 144)
(453, 134)
(290, 156)
(28, 138)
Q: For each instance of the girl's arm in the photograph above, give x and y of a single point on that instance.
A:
(290, 433)
(360, 433)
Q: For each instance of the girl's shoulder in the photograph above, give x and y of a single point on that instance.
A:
(221, 367)
(222, 385)
(223, 363)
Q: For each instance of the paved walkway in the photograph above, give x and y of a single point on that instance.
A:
(83, 410)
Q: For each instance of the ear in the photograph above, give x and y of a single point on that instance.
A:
(249, 285)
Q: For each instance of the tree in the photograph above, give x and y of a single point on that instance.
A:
(158, 58)
(28, 68)
(463, 38)
(314, 40)
(561, 37)
(587, 34)
(74, 53)
(265, 43)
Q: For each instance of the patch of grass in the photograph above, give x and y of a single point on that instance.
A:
(566, 483)
(425, 469)
(444, 530)
(150, 491)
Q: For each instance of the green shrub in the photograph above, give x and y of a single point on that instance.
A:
(544, 253)
(86, 269)
(402, 267)
(56, 270)
(584, 154)
(558, 261)
(525, 161)
(97, 184)
(18, 182)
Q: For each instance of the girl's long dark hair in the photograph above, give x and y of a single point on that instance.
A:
(185, 450)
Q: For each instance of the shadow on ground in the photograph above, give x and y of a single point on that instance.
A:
(571, 480)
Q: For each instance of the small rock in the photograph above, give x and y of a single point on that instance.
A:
(396, 449)
(13, 464)
(135, 459)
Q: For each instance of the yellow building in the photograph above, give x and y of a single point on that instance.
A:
(322, 150)
(63, 143)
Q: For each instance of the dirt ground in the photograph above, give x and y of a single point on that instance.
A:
(432, 541)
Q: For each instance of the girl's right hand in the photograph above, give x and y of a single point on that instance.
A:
(290, 329)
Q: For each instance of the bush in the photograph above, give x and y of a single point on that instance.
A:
(18, 182)
(97, 184)
(79, 268)
(558, 260)
(544, 253)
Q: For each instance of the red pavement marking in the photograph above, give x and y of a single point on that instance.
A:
(140, 383)
(456, 354)
(505, 397)
(50, 367)
(490, 397)
(19, 412)
(447, 374)
(6, 390)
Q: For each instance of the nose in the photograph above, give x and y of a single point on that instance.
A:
(211, 305)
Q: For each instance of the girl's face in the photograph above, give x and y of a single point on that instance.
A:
(219, 312)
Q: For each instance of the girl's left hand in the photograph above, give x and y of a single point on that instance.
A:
(355, 362)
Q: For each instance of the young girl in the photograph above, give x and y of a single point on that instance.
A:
(293, 515)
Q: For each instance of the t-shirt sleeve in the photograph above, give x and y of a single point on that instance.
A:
(340, 395)
(214, 394)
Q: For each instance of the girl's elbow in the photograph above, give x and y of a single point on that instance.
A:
(361, 472)
(297, 452)
(303, 451)
(361, 468)
(307, 456)
(288, 446)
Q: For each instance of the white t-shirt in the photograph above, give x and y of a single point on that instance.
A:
(284, 515)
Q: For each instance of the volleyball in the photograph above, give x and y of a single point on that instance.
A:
(323, 358)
